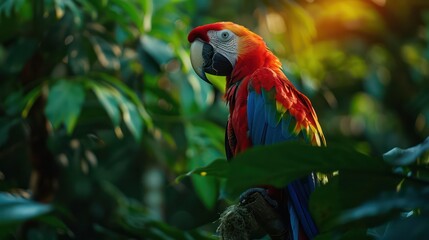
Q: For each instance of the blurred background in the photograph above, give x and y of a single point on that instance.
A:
(100, 109)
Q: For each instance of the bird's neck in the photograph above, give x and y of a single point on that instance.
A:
(245, 67)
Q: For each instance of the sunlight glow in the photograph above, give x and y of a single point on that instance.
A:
(275, 23)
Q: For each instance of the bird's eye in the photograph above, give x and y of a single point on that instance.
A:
(225, 35)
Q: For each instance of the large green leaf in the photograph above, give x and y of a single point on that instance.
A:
(65, 103)
(281, 163)
(205, 141)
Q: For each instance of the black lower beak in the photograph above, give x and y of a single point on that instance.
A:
(215, 63)
(207, 62)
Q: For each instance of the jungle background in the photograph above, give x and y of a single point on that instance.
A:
(101, 112)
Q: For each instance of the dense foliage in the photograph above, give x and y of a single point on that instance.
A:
(101, 112)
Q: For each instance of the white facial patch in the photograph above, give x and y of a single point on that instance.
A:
(225, 42)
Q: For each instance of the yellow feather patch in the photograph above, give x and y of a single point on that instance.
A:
(280, 108)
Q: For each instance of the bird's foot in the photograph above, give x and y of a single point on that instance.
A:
(246, 196)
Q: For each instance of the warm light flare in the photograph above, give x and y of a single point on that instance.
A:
(380, 2)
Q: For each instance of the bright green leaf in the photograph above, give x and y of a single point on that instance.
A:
(65, 103)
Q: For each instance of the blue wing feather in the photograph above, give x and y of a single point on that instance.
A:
(267, 126)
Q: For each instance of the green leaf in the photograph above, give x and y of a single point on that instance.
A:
(404, 228)
(402, 157)
(347, 191)
(109, 101)
(202, 138)
(207, 189)
(18, 55)
(127, 92)
(77, 57)
(107, 54)
(130, 11)
(160, 51)
(30, 99)
(218, 168)
(281, 163)
(147, 6)
(218, 82)
(17, 209)
(389, 201)
(77, 13)
(5, 125)
(53, 221)
(131, 118)
(8, 6)
(64, 103)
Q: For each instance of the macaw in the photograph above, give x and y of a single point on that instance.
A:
(264, 106)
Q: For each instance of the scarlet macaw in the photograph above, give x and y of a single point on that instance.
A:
(264, 106)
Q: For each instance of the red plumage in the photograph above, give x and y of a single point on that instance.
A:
(265, 107)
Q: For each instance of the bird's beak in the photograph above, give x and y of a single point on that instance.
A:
(207, 62)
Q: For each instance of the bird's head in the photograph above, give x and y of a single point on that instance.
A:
(225, 49)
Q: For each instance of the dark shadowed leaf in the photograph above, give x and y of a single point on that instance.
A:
(64, 103)
(5, 125)
(77, 57)
(387, 202)
(401, 157)
(279, 164)
(403, 228)
(18, 54)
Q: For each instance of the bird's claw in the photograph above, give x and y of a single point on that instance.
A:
(245, 196)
